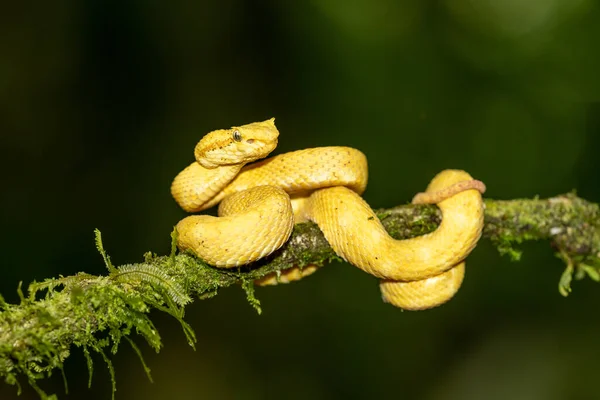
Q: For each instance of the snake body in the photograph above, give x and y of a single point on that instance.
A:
(260, 202)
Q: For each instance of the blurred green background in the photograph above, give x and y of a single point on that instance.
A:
(102, 102)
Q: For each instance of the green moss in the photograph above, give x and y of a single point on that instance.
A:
(96, 313)
(248, 287)
(571, 224)
(136, 273)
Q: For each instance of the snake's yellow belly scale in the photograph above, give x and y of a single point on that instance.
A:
(259, 202)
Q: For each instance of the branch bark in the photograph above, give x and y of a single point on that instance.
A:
(36, 335)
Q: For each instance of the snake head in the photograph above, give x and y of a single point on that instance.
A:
(237, 145)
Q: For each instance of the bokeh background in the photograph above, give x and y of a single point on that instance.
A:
(102, 102)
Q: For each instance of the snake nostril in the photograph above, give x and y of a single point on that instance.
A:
(250, 141)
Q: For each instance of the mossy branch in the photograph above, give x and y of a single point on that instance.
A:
(97, 312)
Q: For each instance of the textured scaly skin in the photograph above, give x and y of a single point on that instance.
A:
(197, 188)
(418, 273)
(243, 232)
(256, 218)
(224, 241)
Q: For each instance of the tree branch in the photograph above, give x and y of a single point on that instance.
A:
(36, 335)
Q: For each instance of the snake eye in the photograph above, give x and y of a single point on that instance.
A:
(237, 136)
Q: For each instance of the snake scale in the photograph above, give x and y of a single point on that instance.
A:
(260, 201)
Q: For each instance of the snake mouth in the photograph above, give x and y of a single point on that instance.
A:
(263, 147)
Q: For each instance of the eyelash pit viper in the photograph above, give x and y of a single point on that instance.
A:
(259, 202)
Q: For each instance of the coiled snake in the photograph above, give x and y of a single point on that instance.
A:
(260, 202)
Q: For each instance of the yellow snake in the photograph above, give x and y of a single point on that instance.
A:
(261, 201)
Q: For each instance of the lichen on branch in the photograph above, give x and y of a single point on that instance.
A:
(96, 313)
